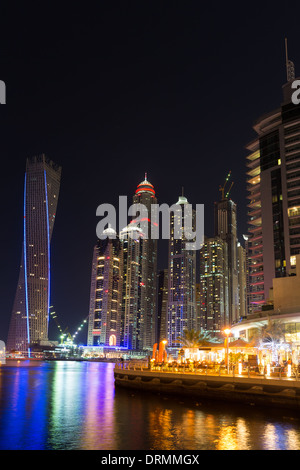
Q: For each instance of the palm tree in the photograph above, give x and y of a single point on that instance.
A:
(193, 338)
(269, 336)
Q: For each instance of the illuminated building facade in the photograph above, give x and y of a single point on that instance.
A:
(213, 288)
(162, 305)
(198, 307)
(242, 279)
(283, 310)
(273, 184)
(106, 291)
(30, 315)
(2, 353)
(182, 279)
(145, 195)
(226, 230)
(247, 267)
(132, 238)
(140, 275)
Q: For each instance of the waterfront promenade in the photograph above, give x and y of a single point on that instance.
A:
(248, 387)
(277, 373)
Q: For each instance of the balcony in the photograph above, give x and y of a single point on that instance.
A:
(255, 221)
(257, 273)
(258, 283)
(257, 292)
(255, 212)
(256, 265)
(255, 229)
(254, 195)
(257, 237)
(256, 255)
(256, 247)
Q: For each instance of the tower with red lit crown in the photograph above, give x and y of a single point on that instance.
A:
(145, 194)
(140, 273)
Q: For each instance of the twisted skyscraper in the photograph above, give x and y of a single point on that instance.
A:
(30, 315)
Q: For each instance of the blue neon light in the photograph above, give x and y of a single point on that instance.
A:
(48, 238)
(25, 269)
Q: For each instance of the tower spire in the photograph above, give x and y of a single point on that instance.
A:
(290, 67)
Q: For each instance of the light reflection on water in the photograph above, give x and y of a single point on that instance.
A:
(73, 405)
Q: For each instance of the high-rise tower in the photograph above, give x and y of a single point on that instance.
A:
(273, 184)
(242, 280)
(162, 305)
(145, 195)
(131, 324)
(106, 291)
(181, 279)
(140, 273)
(30, 315)
(226, 229)
(213, 289)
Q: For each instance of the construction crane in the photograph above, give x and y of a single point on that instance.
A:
(222, 188)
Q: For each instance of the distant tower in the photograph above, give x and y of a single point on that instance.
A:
(106, 291)
(226, 229)
(182, 281)
(162, 305)
(30, 316)
(213, 288)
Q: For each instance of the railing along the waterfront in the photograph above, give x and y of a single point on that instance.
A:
(215, 370)
(132, 365)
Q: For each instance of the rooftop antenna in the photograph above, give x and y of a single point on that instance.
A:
(222, 188)
(290, 67)
(286, 59)
(182, 191)
(146, 177)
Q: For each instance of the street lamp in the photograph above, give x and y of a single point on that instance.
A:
(227, 332)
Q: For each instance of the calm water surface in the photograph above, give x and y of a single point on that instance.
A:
(73, 405)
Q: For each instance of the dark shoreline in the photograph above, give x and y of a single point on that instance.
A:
(254, 391)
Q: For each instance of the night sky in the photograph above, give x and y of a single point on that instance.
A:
(111, 90)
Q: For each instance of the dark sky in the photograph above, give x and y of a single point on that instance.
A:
(110, 90)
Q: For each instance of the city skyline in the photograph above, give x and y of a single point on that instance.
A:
(133, 127)
(150, 236)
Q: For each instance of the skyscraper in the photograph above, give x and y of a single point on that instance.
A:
(106, 291)
(131, 238)
(162, 305)
(140, 275)
(30, 315)
(213, 289)
(247, 265)
(145, 195)
(273, 184)
(226, 229)
(242, 279)
(182, 279)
